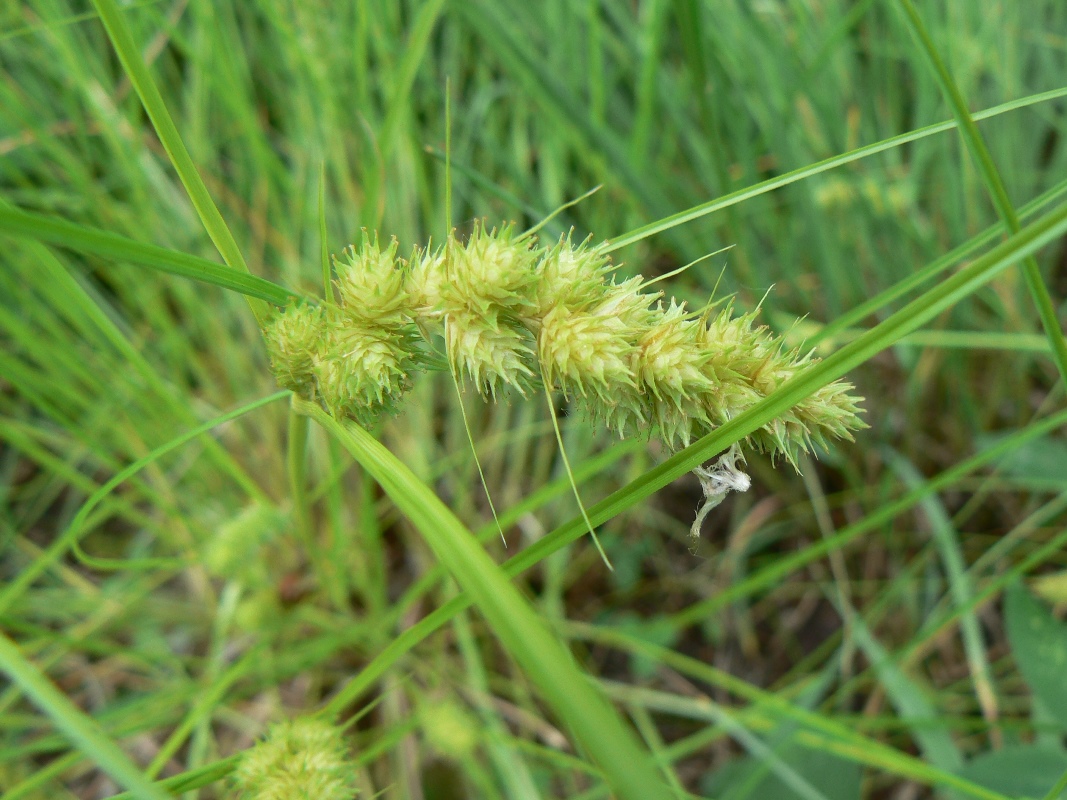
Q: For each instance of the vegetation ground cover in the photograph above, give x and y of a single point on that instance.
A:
(188, 555)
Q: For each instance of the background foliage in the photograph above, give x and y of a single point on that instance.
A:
(839, 634)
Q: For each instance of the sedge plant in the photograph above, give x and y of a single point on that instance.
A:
(146, 642)
(509, 313)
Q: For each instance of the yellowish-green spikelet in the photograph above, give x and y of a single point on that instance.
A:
(363, 370)
(586, 354)
(293, 338)
(372, 285)
(299, 760)
(670, 366)
(569, 276)
(478, 293)
(356, 356)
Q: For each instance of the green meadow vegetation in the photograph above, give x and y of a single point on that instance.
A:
(216, 583)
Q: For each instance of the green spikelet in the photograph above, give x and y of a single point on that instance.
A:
(293, 339)
(299, 760)
(480, 301)
(372, 285)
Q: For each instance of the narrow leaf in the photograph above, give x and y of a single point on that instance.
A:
(110, 245)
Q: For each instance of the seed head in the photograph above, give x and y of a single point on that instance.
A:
(293, 337)
(301, 759)
(363, 370)
(510, 312)
(569, 276)
(371, 284)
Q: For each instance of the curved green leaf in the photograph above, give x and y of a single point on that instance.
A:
(111, 245)
(733, 198)
(595, 724)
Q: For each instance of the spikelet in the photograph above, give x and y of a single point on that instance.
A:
(293, 339)
(752, 364)
(299, 759)
(671, 368)
(356, 357)
(478, 292)
(574, 277)
(372, 284)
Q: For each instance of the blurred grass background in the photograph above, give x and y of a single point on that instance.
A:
(219, 617)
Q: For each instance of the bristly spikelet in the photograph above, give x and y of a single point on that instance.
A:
(569, 276)
(301, 759)
(671, 366)
(356, 357)
(762, 364)
(586, 355)
(293, 337)
(425, 276)
(587, 328)
(363, 370)
(480, 301)
(732, 355)
(492, 270)
(372, 284)
(489, 351)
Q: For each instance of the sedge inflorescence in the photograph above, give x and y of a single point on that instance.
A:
(504, 312)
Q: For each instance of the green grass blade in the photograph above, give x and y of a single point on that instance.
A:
(994, 185)
(911, 703)
(192, 779)
(1056, 790)
(16, 587)
(414, 51)
(961, 586)
(111, 245)
(209, 214)
(939, 265)
(77, 726)
(595, 724)
(733, 198)
(502, 34)
(842, 738)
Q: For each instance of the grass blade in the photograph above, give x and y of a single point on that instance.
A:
(911, 703)
(939, 265)
(994, 185)
(111, 245)
(75, 724)
(16, 587)
(216, 226)
(961, 589)
(733, 198)
(841, 738)
(595, 724)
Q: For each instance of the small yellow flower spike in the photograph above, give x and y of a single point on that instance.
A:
(510, 312)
